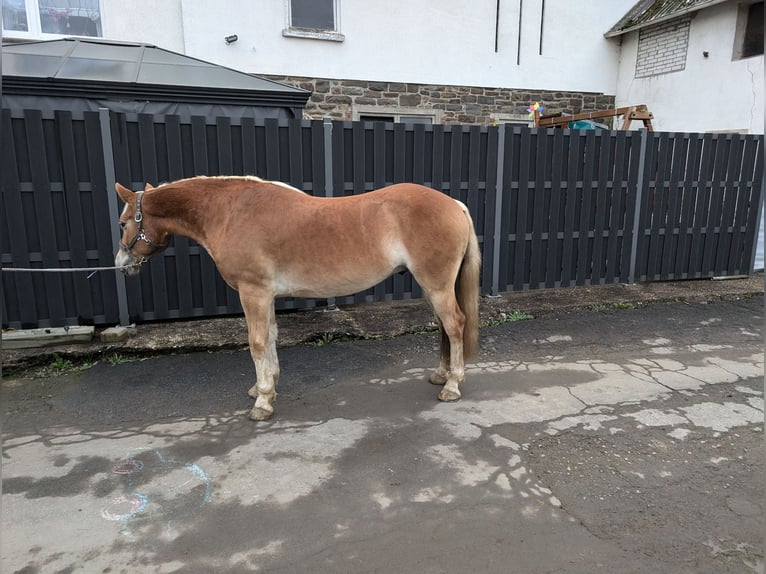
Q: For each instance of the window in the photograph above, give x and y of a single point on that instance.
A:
(396, 114)
(33, 18)
(748, 39)
(317, 19)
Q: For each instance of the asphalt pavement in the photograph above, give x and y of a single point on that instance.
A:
(610, 433)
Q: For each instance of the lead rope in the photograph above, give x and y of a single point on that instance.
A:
(68, 269)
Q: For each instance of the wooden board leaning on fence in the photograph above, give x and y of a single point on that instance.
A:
(559, 120)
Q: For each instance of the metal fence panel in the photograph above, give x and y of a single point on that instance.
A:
(551, 208)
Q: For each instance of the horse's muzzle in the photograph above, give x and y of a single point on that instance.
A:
(129, 263)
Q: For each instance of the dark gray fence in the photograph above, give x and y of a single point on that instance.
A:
(551, 207)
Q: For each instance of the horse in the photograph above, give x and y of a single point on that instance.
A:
(270, 240)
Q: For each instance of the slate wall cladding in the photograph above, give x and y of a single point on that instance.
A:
(337, 99)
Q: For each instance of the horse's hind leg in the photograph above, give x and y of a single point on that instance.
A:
(262, 335)
(451, 370)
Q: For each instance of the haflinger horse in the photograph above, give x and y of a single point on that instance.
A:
(270, 240)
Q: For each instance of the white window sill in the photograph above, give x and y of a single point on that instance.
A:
(313, 34)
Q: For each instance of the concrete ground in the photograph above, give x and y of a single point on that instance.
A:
(618, 431)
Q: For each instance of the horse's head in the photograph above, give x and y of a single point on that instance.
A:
(140, 238)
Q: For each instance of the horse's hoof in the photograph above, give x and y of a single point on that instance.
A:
(447, 395)
(438, 378)
(258, 414)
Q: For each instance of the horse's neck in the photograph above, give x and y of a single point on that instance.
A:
(189, 212)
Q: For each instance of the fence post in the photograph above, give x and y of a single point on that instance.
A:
(327, 125)
(111, 196)
(496, 233)
(758, 224)
(640, 184)
(328, 190)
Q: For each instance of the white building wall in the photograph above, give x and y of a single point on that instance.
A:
(421, 41)
(711, 93)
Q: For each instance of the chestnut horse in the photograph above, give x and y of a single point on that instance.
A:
(271, 240)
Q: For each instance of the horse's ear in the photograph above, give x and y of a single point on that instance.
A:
(124, 193)
(148, 186)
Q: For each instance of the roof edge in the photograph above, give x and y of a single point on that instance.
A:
(614, 31)
(152, 92)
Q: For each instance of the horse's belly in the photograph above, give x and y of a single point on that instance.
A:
(325, 285)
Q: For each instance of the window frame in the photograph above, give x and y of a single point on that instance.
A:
(34, 25)
(740, 33)
(333, 35)
(396, 112)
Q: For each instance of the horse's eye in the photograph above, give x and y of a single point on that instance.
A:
(122, 225)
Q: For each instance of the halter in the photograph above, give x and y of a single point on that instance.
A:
(140, 234)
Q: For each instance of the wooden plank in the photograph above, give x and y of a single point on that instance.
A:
(657, 207)
(744, 195)
(724, 265)
(147, 148)
(358, 158)
(646, 209)
(400, 153)
(271, 128)
(672, 225)
(44, 215)
(223, 135)
(437, 160)
(568, 269)
(505, 205)
(484, 222)
(602, 206)
(688, 191)
(553, 263)
(537, 197)
(584, 260)
(318, 159)
(148, 154)
(755, 203)
(418, 153)
(379, 158)
(456, 158)
(180, 244)
(23, 286)
(46, 337)
(714, 230)
(295, 145)
(474, 168)
(76, 224)
(248, 146)
(520, 263)
(207, 267)
(702, 205)
(617, 207)
(630, 194)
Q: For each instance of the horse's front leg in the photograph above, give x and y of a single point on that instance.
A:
(262, 337)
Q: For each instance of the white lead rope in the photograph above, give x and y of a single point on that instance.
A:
(94, 270)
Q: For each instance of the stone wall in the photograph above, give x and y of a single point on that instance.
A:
(340, 99)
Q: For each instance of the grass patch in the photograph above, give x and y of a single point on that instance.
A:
(62, 366)
(117, 359)
(624, 305)
(503, 318)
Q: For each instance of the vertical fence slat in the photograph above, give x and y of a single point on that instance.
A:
(520, 280)
(744, 174)
(44, 216)
(553, 270)
(601, 208)
(28, 314)
(76, 223)
(723, 264)
(689, 191)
